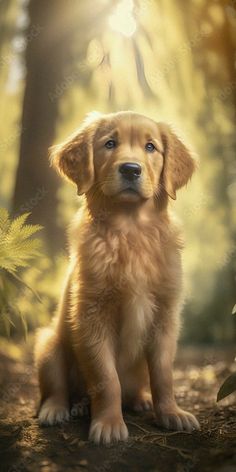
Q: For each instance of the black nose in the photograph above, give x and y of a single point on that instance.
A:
(130, 170)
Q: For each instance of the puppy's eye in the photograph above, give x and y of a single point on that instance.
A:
(110, 144)
(150, 147)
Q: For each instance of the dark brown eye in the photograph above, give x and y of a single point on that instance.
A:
(150, 147)
(110, 144)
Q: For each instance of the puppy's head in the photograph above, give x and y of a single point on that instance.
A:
(125, 156)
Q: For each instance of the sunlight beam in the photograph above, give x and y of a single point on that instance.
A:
(122, 19)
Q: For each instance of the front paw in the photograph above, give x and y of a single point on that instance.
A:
(53, 412)
(108, 429)
(176, 419)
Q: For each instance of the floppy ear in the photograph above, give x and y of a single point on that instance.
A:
(74, 158)
(179, 164)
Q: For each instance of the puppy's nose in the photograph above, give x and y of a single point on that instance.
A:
(130, 170)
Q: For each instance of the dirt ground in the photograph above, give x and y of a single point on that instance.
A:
(24, 446)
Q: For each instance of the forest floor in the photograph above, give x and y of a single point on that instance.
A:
(24, 446)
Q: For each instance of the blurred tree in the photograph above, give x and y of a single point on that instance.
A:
(6, 29)
(215, 56)
(56, 45)
(47, 56)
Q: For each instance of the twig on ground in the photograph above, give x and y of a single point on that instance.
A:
(159, 439)
(169, 433)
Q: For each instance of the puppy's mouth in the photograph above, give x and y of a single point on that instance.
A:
(127, 192)
(130, 193)
(130, 190)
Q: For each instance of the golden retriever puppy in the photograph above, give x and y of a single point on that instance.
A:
(114, 339)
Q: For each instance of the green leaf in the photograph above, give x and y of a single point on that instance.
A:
(24, 325)
(234, 310)
(4, 219)
(17, 223)
(228, 387)
(7, 323)
(22, 282)
(17, 247)
(28, 230)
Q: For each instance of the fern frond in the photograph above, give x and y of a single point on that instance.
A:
(18, 222)
(28, 230)
(4, 220)
(16, 246)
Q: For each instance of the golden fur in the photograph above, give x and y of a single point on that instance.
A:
(115, 335)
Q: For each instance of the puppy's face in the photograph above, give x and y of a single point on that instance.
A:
(124, 156)
(128, 157)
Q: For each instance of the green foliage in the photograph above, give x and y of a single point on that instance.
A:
(229, 385)
(47, 277)
(17, 249)
(16, 245)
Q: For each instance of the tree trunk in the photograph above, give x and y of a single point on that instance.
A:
(56, 28)
(47, 57)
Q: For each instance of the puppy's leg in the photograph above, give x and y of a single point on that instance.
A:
(98, 365)
(52, 373)
(140, 402)
(161, 352)
(51, 362)
(136, 388)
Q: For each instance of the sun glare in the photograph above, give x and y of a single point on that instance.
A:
(122, 19)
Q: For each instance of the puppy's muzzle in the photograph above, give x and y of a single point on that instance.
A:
(130, 171)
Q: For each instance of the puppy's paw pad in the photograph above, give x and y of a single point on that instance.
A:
(177, 420)
(52, 413)
(108, 430)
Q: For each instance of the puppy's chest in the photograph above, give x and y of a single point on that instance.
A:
(139, 272)
(130, 269)
(137, 261)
